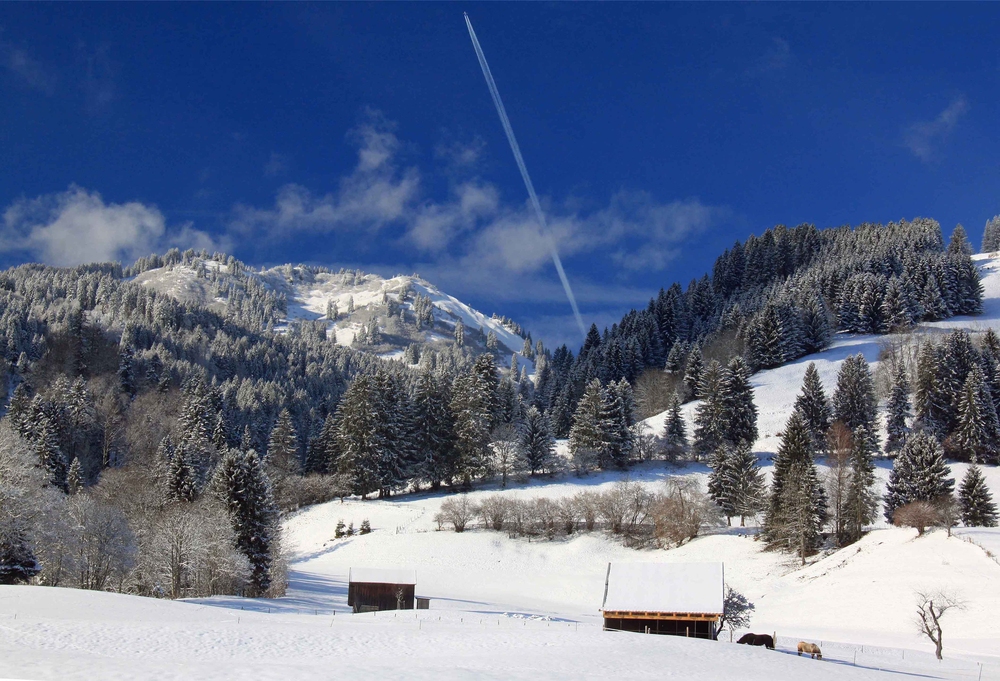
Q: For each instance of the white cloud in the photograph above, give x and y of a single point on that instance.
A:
(77, 226)
(374, 195)
(471, 241)
(923, 138)
(276, 165)
(27, 69)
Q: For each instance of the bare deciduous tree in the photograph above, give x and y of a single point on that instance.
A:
(506, 460)
(838, 477)
(917, 514)
(736, 611)
(458, 511)
(682, 511)
(494, 511)
(931, 608)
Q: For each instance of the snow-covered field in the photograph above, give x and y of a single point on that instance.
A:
(514, 608)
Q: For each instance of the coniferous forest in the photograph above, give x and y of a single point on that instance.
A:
(151, 446)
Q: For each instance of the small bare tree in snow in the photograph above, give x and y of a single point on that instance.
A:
(931, 608)
(917, 514)
(736, 611)
(458, 511)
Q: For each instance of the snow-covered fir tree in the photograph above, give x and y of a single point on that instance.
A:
(675, 441)
(586, 437)
(976, 437)
(693, 369)
(283, 446)
(976, 501)
(242, 485)
(709, 418)
(814, 408)
(991, 235)
(919, 473)
(861, 503)
(898, 411)
(17, 559)
(797, 506)
(432, 419)
(744, 482)
(536, 442)
(959, 242)
(739, 413)
(855, 403)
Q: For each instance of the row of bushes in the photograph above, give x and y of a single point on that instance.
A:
(667, 517)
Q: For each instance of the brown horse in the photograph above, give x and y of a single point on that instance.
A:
(812, 649)
(757, 640)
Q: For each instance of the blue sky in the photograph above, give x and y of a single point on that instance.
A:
(364, 135)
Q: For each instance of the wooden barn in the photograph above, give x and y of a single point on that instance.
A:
(678, 599)
(371, 589)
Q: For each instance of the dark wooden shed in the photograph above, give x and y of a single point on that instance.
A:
(372, 589)
(677, 599)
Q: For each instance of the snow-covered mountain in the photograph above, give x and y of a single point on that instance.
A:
(405, 310)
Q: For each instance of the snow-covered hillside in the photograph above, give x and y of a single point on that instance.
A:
(357, 298)
(775, 390)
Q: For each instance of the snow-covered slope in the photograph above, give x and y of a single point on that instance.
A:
(357, 296)
(67, 634)
(775, 390)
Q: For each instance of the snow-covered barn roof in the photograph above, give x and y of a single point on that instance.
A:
(664, 587)
(382, 576)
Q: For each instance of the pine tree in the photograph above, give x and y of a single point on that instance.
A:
(586, 436)
(991, 235)
(395, 424)
(317, 460)
(242, 485)
(978, 427)
(975, 500)
(359, 439)
(617, 417)
(473, 406)
(898, 411)
(283, 446)
(932, 301)
(50, 456)
(854, 401)
(895, 310)
(930, 397)
(329, 444)
(919, 473)
(537, 442)
(959, 243)
(74, 479)
(718, 482)
(802, 522)
(182, 476)
(709, 417)
(675, 358)
(862, 500)
(675, 431)
(797, 505)
(693, 373)
(433, 431)
(814, 408)
(739, 413)
(17, 560)
(744, 481)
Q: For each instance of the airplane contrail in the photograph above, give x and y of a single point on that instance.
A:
(539, 215)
